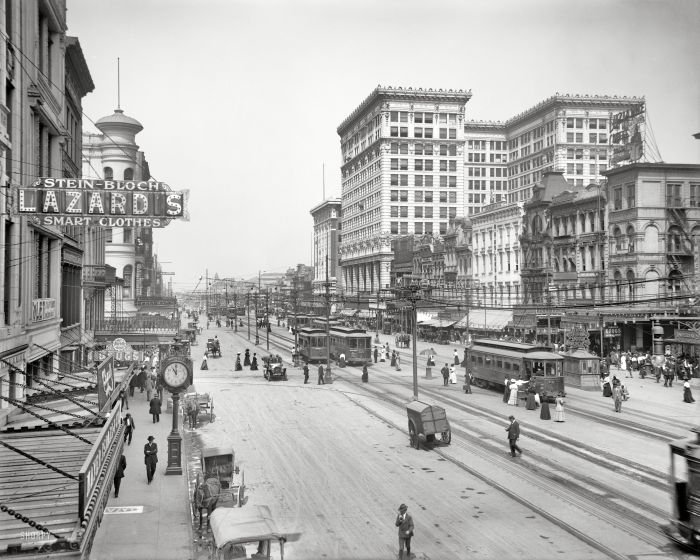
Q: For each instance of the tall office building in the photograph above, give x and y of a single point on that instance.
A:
(326, 216)
(402, 173)
(568, 133)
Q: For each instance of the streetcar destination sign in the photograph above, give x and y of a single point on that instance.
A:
(81, 202)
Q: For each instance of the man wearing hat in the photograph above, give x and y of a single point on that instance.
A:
(513, 434)
(405, 524)
(150, 451)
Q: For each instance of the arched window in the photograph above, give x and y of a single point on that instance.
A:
(674, 240)
(630, 239)
(618, 285)
(127, 276)
(128, 174)
(631, 286)
(674, 282)
(582, 219)
(108, 173)
(536, 225)
(617, 236)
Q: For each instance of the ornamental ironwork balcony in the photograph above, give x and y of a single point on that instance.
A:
(43, 309)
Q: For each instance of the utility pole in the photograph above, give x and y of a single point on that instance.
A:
(248, 314)
(296, 329)
(267, 318)
(235, 313)
(257, 338)
(413, 296)
(207, 293)
(327, 377)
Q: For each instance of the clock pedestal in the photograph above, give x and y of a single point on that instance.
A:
(175, 441)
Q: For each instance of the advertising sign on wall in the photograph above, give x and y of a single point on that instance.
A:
(97, 202)
(627, 135)
(105, 381)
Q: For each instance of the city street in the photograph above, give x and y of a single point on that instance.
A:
(333, 463)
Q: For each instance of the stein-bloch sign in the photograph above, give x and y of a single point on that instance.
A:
(98, 202)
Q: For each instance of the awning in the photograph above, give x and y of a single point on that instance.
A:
(487, 320)
(348, 312)
(423, 317)
(438, 323)
(365, 314)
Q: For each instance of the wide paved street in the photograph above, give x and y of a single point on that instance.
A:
(333, 462)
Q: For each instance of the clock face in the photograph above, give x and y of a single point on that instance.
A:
(175, 374)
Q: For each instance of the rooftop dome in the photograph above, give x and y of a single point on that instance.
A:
(119, 118)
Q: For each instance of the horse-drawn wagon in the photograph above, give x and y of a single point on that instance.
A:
(195, 405)
(219, 484)
(214, 347)
(425, 421)
(250, 533)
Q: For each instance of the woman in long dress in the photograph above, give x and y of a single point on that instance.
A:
(559, 410)
(544, 412)
(687, 394)
(513, 399)
(453, 375)
(531, 403)
(607, 388)
(506, 392)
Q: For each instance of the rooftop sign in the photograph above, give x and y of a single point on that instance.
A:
(98, 202)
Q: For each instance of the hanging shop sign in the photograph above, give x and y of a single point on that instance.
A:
(97, 202)
(105, 382)
(612, 332)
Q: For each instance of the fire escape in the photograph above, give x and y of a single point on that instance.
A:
(679, 253)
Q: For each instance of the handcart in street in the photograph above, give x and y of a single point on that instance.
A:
(195, 405)
(425, 421)
(250, 533)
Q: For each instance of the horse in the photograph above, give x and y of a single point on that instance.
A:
(192, 411)
(206, 494)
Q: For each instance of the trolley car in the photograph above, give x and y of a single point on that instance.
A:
(300, 320)
(313, 344)
(684, 527)
(494, 361)
(355, 343)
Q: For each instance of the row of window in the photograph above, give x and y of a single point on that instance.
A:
(593, 124)
(423, 212)
(423, 180)
(486, 144)
(422, 117)
(423, 165)
(577, 138)
(419, 228)
(424, 196)
(421, 149)
(420, 132)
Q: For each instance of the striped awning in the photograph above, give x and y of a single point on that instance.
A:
(486, 320)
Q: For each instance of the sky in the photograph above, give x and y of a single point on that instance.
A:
(240, 100)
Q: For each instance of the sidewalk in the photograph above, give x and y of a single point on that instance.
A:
(156, 524)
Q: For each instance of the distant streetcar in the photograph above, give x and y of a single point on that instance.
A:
(494, 361)
(355, 343)
(313, 344)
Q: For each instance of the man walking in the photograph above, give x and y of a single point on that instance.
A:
(617, 397)
(129, 427)
(306, 373)
(118, 475)
(456, 358)
(445, 374)
(513, 434)
(405, 524)
(150, 451)
(320, 375)
(154, 409)
(376, 354)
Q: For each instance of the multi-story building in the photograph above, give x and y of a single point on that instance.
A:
(114, 154)
(45, 79)
(568, 133)
(402, 173)
(327, 219)
(654, 248)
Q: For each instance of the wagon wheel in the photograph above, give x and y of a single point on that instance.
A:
(446, 437)
(413, 436)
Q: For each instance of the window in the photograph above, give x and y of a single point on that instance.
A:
(128, 235)
(673, 195)
(630, 196)
(428, 180)
(404, 132)
(695, 194)
(418, 212)
(443, 165)
(443, 180)
(108, 235)
(108, 173)
(418, 132)
(126, 275)
(428, 118)
(394, 163)
(418, 227)
(429, 134)
(579, 137)
(394, 196)
(428, 211)
(443, 228)
(443, 212)
(418, 149)
(403, 148)
(395, 227)
(394, 179)
(429, 227)
(418, 180)
(394, 131)
(443, 151)
(443, 134)
(394, 212)
(453, 134)
(569, 136)
(394, 148)
(453, 212)
(403, 180)
(394, 116)
(418, 165)
(443, 196)
(453, 197)
(403, 196)
(418, 196)
(403, 164)
(128, 174)
(617, 198)
(404, 228)
(403, 211)
(418, 117)
(452, 181)
(452, 167)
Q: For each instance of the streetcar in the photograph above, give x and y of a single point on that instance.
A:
(313, 344)
(354, 342)
(493, 361)
(300, 320)
(684, 526)
(321, 322)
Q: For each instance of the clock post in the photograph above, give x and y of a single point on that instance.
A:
(176, 375)
(175, 441)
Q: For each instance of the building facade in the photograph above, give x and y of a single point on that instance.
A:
(402, 173)
(327, 219)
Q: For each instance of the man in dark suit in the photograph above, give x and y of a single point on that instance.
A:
(513, 434)
(150, 452)
(376, 354)
(320, 375)
(154, 408)
(405, 524)
(306, 373)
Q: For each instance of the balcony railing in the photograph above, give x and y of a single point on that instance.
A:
(94, 274)
(43, 309)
